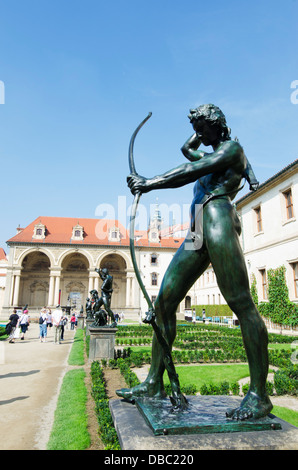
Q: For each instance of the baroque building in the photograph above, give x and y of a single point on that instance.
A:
(52, 261)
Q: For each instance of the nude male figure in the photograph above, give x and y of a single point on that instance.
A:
(217, 177)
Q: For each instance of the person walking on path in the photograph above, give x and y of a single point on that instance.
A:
(63, 323)
(49, 318)
(24, 323)
(56, 317)
(72, 321)
(43, 325)
(13, 321)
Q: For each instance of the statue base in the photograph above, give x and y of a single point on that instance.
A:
(89, 322)
(81, 322)
(135, 433)
(204, 415)
(102, 343)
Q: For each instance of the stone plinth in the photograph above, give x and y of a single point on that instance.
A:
(81, 322)
(102, 343)
(134, 433)
(89, 322)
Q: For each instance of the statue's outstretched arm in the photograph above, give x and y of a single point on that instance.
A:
(229, 154)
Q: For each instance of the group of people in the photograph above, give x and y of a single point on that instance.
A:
(18, 322)
(57, 319)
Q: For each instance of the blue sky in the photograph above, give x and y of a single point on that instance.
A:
(80, 76)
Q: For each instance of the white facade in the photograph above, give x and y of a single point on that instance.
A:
(3, 269)
(270, 229)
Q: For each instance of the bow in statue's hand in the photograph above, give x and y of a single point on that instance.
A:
(137, 184)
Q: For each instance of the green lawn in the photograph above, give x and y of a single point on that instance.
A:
(69, 431)
(279, 346)
(76, 356)
(206, 374)
(286, 414)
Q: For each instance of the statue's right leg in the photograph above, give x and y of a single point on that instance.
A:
(184, 269)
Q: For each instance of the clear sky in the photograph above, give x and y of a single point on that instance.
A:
(79, 76)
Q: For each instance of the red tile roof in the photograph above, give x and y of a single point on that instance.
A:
(96, 232)
(2, 255)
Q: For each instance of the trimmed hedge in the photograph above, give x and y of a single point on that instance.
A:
(209, 344)
(106, 427)
(213, 310)
(286, 381)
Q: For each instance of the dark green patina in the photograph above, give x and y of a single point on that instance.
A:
(204, 415)
(213, 238)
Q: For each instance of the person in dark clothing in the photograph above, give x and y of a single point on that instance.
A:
(13, 319)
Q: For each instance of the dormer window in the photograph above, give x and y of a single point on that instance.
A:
(114, 234)
(39, 232)
(77, 233)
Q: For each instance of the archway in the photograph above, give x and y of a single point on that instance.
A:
(74, 281)
(34, 282)
(187, 302)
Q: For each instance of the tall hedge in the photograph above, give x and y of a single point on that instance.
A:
(213, 310)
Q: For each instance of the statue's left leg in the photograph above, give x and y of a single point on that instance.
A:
(184, 269)
(107, 303)
(229, 265)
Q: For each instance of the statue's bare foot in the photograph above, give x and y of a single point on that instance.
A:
(145, 389)
(252, 406)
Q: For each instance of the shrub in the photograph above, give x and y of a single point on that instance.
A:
(286, 381)
(235, 388)
(106, 428)
(213, 310)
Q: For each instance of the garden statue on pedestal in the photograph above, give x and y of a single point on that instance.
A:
(88, 308)
(213, 238)
(99, 314)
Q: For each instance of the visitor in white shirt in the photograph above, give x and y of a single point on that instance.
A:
(56, 318)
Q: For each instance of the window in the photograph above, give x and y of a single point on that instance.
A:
(258, 219)
(114, 234)
(288, 204)
(154, 259)
(39, 232)
(153, 279)
(295, 272)
(153, 299)
(264, 283)
(77, 232)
